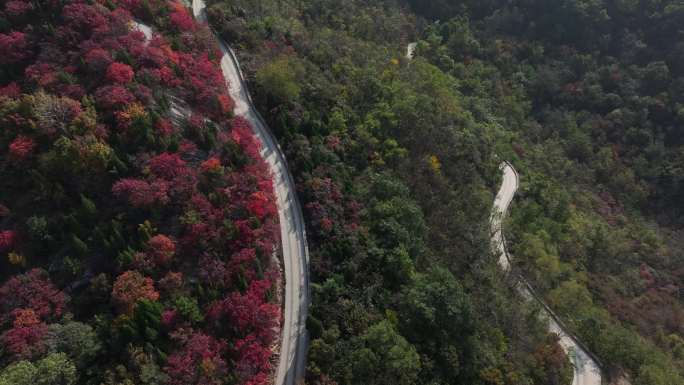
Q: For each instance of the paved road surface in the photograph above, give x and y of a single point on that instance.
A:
(411, 50)
(292, 363)
(509, 186)
(145, 29)
(587, 371)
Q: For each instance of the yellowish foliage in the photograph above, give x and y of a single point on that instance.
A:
(15, 259)
(435, 164)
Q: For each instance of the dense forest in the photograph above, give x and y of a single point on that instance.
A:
(138, 228)
(137, 219)
(591, 94)
(583, 96)
(397, 175)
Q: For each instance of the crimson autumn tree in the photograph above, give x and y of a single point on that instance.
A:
(120, 73)
(25, 339)
(21, 148)
(162, 249)
(32, 290)
(131, 287)
(180, 19)
(248, 312)
(8, 239)
(198, 362)
(14, 47)
(141, 193)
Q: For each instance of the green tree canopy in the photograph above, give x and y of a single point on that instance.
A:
(384, 358)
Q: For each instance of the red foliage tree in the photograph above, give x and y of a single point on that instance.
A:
(326, 224)
(252, 361)
(184, 185)
(98, 59)
(83, 18)
(113, 96)
(243, 262)
(21, 148)
(18, 7)
(14, 47)
(261, 205)
(260, 378)
(167, 165)
(202, 82)
(32, 290)
(169, 318)
(8, 238)
(120, 73)
(198, 362)
(129, 4)
(551, 357)
(226, 103)
(141, 7)
(187, 147)
(12, 90)
(141, 193)
(25, 339)
(42, 74)
(215, 272)
(241, 133)
(248, 313)
(162, 248)
(130, 287)
(180, 19)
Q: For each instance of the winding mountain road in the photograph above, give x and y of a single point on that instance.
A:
(509, 185)
(294, 338)
(586, 368)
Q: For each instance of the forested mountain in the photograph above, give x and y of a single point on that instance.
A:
(137, 220)
(139, 231)
(591, 93)
(584, 97)
(397, 177)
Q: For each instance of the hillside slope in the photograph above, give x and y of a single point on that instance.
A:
(137, 217)
(589, 96)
